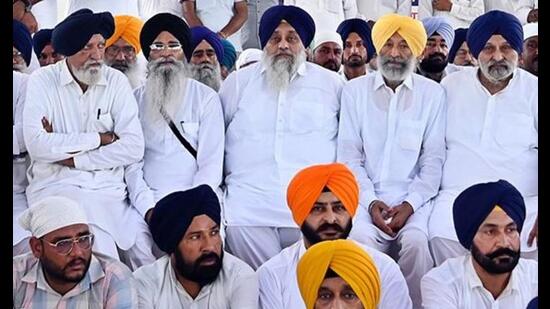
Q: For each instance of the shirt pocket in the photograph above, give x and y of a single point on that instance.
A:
(191, 132)
(515, 130)
(104, 123)
(205, 4)
(334, 6)
(410, 135)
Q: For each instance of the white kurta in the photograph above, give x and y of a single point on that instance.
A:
(523, 7)
(374, 9)
(126, 7)
(271, 136)
(216, 14)
(489, 137)
(236, 287)
(97, 180)
(456, 285)
(149, 8)
(279, 286)
(502, 5)
(327, 14)
(462, 13)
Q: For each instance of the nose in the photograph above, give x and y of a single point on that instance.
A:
(208, 244)
(14, 60)
(394, 52)
(503, 241)
(338, 304)
(283, 45)
(50, 60)
(330, 216)
(76, 251)
(204, 58)
(497, 55)
(120, 56)
(96, 54)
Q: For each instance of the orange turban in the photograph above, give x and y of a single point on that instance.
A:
(128, 28)
(306, 187)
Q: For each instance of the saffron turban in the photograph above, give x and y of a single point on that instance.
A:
(247, 56)
(128, 28)
(360, 27)
(41, 39)
(74, 32)
(408, 28)
(460, 37)
(174, 213)
(165, 22)
(22, 40)
(349, 261)
(299, 19)
(441, 26)
(474, 204)
(307, 185)
(50, 214)
(492, 23)
(200, 33)
(229, 55)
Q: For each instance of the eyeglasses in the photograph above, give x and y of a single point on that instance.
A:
(65, 246)
(157, 47)
(114, 50)
(17, 54)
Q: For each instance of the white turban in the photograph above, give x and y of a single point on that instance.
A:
(247, 56)
(326, 36)
(50, 214)
(530, 29)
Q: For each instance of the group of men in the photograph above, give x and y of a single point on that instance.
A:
(220, 190)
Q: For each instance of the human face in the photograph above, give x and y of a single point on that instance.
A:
(396, 60)
(355, 53)
(204, 53)
(497, 60)
(496, 245)
(167, 39)
(284, 42)
(120, 55)
(335, 293)
(328, 55)
(49, 56)
(435, 55)
(91, 56)
(463, 56)
(19, 63)
(530, 55)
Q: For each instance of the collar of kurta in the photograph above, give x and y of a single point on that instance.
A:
(473, 281)
(379, 81)
(67, 78)
(302, 70)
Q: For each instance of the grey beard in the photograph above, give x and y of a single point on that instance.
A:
(133, 74)
(495, 71)
(21, 67)
(279, 69)
(395, 74)
(89, 74)
(208, 74)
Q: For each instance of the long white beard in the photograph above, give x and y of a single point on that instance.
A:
(90, 73)
(208, 74)
(279, 69)
(21, 68)
(134, 75)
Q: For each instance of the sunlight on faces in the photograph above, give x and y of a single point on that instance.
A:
(205, 67)
(335, 293)
(463, 56)
(396, 60)
(497, 60)
(328, 55)
(49, 56)
(435, 55)
(86, 64)
(355, 53)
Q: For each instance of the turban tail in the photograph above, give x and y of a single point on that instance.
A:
(460, 37)
(410, 29)
(360, 27)
(229, 54)
(491, 23)
(128, 28)
(440, 25)
(165, 22)
(22, 40)
(41, 39)
(299, 19)
(200, 33)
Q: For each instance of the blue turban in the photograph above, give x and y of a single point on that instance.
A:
(165, 22)
(474, 204)
(174, 213)
(460, 37)
(200, 33)
(74, 32)
(41, 39)
(491, 23)
(442, 26)
(229, 55)
(299, 19)
(360, 27)
(22, 40)
(533, 304)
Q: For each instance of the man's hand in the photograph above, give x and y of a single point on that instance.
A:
(29, 20)
(534, 234)
(533, 16)
(107, 138)
(379, 212)
(400, 214)
(442, 5)
(67, 162)
(148, 215)
(46, 125)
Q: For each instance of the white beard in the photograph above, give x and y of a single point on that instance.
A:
(90, 73)
(497, 73)
(21, 68)
(395, 74)
(279, 69)
(134, 75)
(208, 74)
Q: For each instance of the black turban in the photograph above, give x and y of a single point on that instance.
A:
(165, 22)
(360, 27)
(491, 23)
(460, 37)
(22, 40)
(41, 39)
(299, 19)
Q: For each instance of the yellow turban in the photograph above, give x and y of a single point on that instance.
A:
(128, 28)
(347, 260)
(410, 29)
(308, 184)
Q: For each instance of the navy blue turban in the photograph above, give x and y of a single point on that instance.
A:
(360, 27)
(474, 204)
(229, 55)
(460, 37)
(165, 22)
(492, 23)
(41, 39)
(533, 304)
(299, 19)
(200, 33)
(74, 32)
(22, 40)
(174, 213)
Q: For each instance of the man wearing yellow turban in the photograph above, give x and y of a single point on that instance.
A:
(391, 134)
(338, 274)
(323, 199)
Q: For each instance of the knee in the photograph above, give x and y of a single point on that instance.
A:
(414, 241)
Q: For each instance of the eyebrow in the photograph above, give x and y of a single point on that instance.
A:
(56, 239)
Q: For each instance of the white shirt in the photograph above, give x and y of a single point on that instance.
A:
(149, 8)
(216, 14)
(279, 286)
(45, 13)
(523, 7)
(455, 284)
(235, 287)
(118, 7)
(327, 14)
(270, 136)
(507, 6)
(462, 13)
(374, 9)
(393, 142)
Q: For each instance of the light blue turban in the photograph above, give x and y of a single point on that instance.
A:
(440, 25)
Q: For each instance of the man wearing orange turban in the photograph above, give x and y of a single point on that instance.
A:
(323, 199)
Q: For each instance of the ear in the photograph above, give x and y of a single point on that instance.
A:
(36, 247)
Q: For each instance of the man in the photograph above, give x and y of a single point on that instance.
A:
(459, 54)
(22, 47)
(256, 9)
(434, 58)
(338, 274)
(460, 14)
(197, 272)
(391, 135)
(488, 219)
(358, 48)
(248, 57)
(327, 14)
(499, 103)
(22, 13)
(225, 17)
(42, 45)
(122, 48)
(323, 199)
(205, 59)
(81, 129)
(280, 115)
(326, 50)
(529, 60)
(62, 270)
(229, 57)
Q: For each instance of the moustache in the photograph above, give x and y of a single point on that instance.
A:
(75, 262)
(502, 252)
(208, 256)
(437, 55)
(328, 226)
(501, 63)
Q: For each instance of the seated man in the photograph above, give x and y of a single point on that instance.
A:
(488, 219)
(197, 272)
(358, 47)
(338, 274)
(459, 54)
(323, 200)
(205, 60)
(434, 58)
(62, 271)
(43, 48)
(22, 47)
(530, 56)
(227, 63)
(326, 50)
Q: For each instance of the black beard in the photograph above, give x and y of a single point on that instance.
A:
(312, 236)
(488, 262)
(59, 274)
(355, 61)
(120, 65)
(434, 63)
(202, 275)
(331, 65)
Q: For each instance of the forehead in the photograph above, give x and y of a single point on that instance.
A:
(334, 284)
(534, 38)
(201, 223)
(353, 36)
(284, 28)
(68, 231)
(496, 39)
(122, 43)
(497, 217)
(464, 45)
(204, 45)
(437, 38)
(95, 39)
(326, 197)
(165, 36)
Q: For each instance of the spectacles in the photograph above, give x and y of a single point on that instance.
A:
(114, 50)
(17, 54)
(65, 246)
(157, 47)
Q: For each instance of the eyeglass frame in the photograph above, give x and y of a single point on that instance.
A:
(76, 240)
(120, 49)
(154, 47)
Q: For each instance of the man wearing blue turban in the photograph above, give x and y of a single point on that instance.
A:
(42, 44)
(459, 54)
(488, 219)
(434, 58)
(207, 54)
(22, 47)
(358, 47)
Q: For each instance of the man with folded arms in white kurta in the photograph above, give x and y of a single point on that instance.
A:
(392, 129)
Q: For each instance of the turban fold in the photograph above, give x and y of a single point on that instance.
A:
(41, 39)
(346, 259)
(299, 19)
(530, 29)
(22, 40)
(460, 37)
(360, 27)
(74, 32)
(200, 33)
(165, 22)
(307, 185)
(128, 28)
(174, 213)
(50, 214)
(474, 204)
(229, 54)
(247, 56)
(411, 30)
(441, 26)
(492, 23)
(533, 304)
